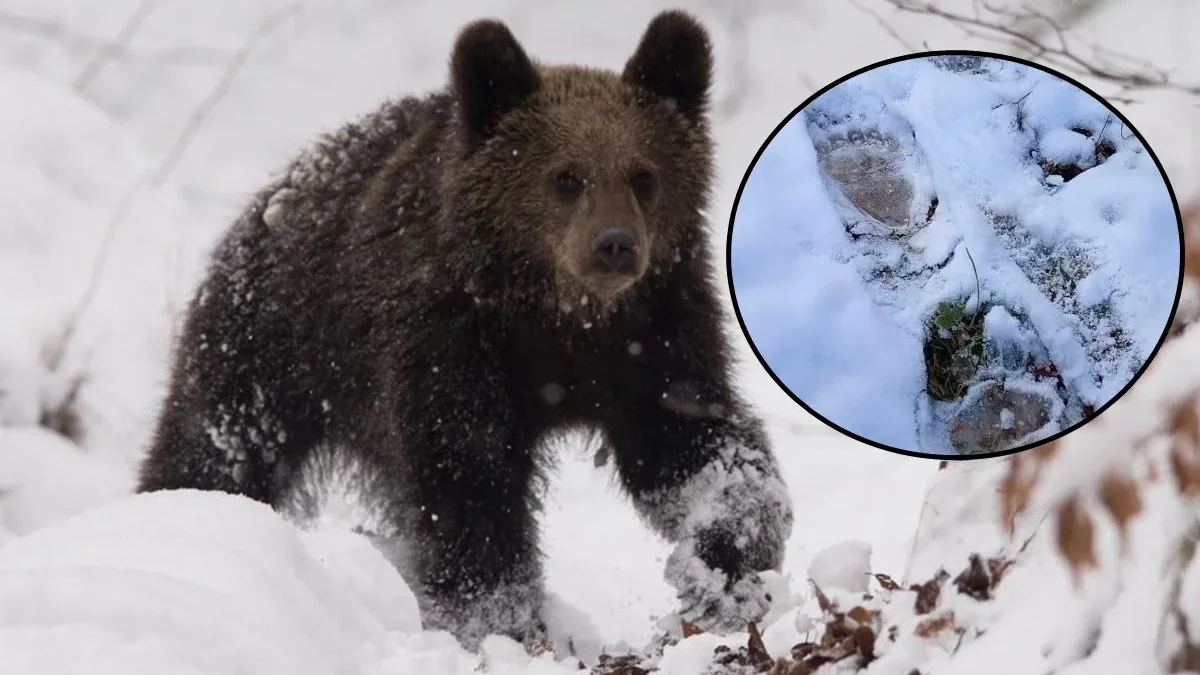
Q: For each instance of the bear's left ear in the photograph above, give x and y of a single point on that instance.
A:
(674, 60)
(490, 75)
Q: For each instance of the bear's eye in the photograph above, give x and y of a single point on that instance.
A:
(567, 184)
(644, 184)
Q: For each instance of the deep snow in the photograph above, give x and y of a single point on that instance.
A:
(164, 583)
(839, 310)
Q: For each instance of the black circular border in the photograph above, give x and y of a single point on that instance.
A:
(920, 55)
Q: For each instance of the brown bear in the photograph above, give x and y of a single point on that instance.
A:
(433, 293)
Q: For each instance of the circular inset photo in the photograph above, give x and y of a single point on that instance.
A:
(955, 254)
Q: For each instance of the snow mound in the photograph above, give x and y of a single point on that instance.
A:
(45, 478)
(193, 582)
(204, 582)
(846, 566)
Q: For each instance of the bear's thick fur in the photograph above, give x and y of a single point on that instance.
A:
(435, 291)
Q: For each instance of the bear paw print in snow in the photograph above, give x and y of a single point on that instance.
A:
(999, 418)
(880, 173)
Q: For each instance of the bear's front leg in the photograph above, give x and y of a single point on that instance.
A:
(700, 470)
(470, 506)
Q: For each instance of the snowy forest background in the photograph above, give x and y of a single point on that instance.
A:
(132, 130)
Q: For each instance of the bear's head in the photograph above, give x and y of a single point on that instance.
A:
(593, 179)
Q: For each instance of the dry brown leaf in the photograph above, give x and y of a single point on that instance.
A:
(689, 629)
(619, 665)
(1186, 423)
(864, 640)
(1191, 242)
(1120, 497)
(976, 580)
(1186, 468)
(801, 650)
(862, 615)
(822, 601)
(887, 582)
(756, 651)
(1017, 486)
(1076, 537)
(1185, 456)
(998, 568)
(934, 625)
(929, 592)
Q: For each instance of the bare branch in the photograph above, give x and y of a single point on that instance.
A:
(144, 9)
(157, 177)
(58, 349)
(267, 26)
(887, 27)
(731, 102)
(1064, 13)
(53, 31)
(737, 17)
(45, 28)
(1052, 45)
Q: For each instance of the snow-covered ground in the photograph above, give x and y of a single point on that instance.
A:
(840, 305)
(131, 131)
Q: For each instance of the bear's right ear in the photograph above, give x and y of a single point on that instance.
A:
(490, 75)
(674, 60)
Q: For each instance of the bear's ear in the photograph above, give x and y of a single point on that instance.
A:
(490, 75)
(674, 60)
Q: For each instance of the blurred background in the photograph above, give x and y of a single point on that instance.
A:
(212, 95)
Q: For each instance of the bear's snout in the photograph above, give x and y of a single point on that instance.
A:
(615, 251)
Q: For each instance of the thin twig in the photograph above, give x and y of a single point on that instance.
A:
(1031, 536)
(1062, 53)
(157, 177)
(51, 30)
(267, 26)
(887, 27)
(1066, 13)
(1184, 656)
(916, 539)
(978, 293)
(1099, 139)
(144, 9)
(59, 348)
(45, 28)
(737, 21)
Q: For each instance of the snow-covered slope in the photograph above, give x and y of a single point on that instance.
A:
(168, 583)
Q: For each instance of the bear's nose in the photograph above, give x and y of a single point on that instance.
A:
(615, 250)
